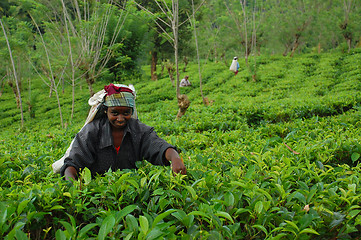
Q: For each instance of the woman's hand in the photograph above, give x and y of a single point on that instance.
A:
(70, 173)
(176, 162)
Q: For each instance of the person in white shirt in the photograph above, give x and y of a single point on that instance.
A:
(185, 82)
(234, 66)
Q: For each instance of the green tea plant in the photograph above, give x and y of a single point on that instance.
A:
(273, 159)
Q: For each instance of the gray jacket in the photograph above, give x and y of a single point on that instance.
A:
(93, 147)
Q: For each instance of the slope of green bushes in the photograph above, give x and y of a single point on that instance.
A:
(273, 159)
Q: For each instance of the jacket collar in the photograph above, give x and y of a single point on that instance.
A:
(106, 138)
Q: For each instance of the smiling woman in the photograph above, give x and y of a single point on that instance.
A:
(118, 140)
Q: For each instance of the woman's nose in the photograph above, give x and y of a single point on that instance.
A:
(120, 117)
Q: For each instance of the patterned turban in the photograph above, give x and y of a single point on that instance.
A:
(119, 96)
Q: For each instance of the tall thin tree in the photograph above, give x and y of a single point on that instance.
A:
(193, 23)
(14, 73)
(171, 21)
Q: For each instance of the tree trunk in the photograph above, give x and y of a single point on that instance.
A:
(349, 44)
(183, 104)
(243, 4)
(2, 85)
(89, 80)
(59, 107)
(285, 52)
(295, 44)
(15, 76)
(254, 78)
(15, 93)
(162, 70)
(205, 100)
(185, 59)
(223, 58)
(319, 48)
(170, 70)
(175, 25)
(153, 67)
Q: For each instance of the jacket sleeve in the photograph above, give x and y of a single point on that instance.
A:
(82, 152)
(153, 148)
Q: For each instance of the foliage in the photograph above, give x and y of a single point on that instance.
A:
(273, 159)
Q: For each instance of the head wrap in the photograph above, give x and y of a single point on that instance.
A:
(119, 96)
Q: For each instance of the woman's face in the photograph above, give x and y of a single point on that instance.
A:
(119, 116)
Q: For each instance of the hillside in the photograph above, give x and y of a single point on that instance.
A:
(273, 159)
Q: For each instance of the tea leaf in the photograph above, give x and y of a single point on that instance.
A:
(12, 233)
(68, 228)
(293, 225)
(306, 220)
(132, 222)
(338, 218)
(229, 199)
(56, 207)
(20, 235)
(143, 182)
(262, 228)
(192, 192)
(311, 194)
(224, 215)
(106, 226)
(309, 230)
(300, 197)
(129, 236)
(67, 194)
(21, 206)
(86, 229)
(144, 224)
(87, 176)
(128, 209)
(258, 207)
(162, 216)
(269, 197)
(154, 234)
(179, 214)
(355, 156)
(133, 182)
(60, 235)
(353, 213)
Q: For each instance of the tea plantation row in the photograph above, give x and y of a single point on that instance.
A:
(273, 159)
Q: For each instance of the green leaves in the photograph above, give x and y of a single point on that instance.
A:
(106, 226)
(355, 156)
(242, 181)
(144, 225)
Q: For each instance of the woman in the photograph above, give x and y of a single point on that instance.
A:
(234, 66)
(117, 140)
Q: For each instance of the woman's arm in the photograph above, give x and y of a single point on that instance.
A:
(177, 163)
(70, 172)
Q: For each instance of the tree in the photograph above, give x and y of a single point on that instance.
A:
(87, 23)
(170, 13)
(193, 23)
(216, 32)
(14, 73)
(292, 19)
(48, 71)
(160, 45)
(349, 21)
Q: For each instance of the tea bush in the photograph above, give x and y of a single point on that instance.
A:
(273, 159)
